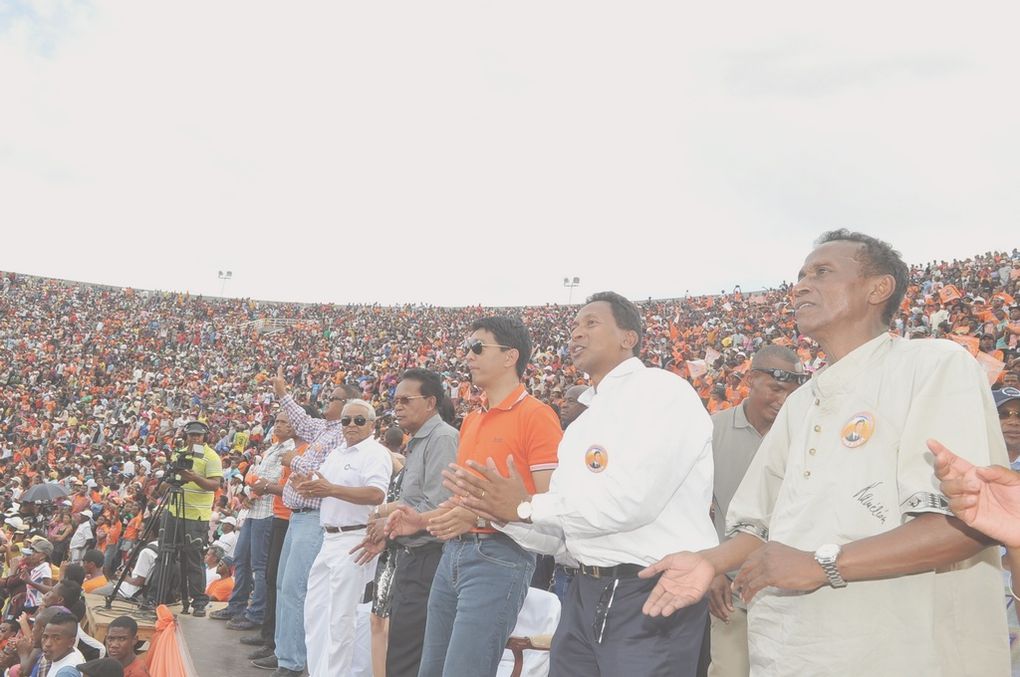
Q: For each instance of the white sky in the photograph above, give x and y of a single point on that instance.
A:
(478, 152)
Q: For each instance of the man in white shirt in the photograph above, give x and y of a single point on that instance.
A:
(228, 539)
(634, 475)
(144, 565)
(59, 655)
(350, 482)
(851, 560)
(82, 535)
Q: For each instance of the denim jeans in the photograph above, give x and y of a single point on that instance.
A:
(478, 590)
(251, 553)
(300, 548)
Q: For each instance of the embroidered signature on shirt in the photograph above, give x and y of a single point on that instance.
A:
(867, 499)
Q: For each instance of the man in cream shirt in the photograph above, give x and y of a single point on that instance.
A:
(634, 477)
(851, 560)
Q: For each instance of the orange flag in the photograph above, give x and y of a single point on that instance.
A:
(168, 655)
(949, 293)
(993, 367)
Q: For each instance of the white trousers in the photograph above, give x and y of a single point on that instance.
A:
(335, 587)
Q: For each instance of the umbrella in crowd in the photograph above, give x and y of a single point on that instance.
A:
(44, 493)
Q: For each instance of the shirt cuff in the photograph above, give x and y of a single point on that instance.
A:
(546, 508)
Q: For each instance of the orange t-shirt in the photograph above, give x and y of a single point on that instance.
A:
(279, 509)
(94, 583)
(220, 589)
(131, 530)
(136, 669)
(519, 426)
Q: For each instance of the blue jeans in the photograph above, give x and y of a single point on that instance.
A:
(478, 591)
(251, 553)
(300, 548)
(561, 582)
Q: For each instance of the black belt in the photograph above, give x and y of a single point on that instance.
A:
(298, 511)
(421, 547)
(619, 571)
(337, 530)
(478, 536)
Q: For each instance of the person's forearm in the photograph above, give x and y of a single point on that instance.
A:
(730, 554)
(274, 489)
(358, 495)
(208, 483)
(925, 543)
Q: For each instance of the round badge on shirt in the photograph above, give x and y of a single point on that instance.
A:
(858, 430)
(596, 458)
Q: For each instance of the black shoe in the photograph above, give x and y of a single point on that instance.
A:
(252, 640)
(198, 612)
(284, 672)
(242, 623)
(267, 663)
(262, 652)
(221, 615)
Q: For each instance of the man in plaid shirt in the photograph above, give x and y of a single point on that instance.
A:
(304, 535)
(251, 553)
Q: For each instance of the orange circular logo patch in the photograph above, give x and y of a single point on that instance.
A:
(596, 458)
(858, 430)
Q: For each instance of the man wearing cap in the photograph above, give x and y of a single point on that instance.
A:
(228, 539)
(185, 529)
(38, 574)
(82, 535)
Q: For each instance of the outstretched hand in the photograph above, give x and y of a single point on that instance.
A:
(986, 498)
(686, 577)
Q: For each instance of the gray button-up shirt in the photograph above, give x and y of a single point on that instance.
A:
(430, 451)
(734, 443)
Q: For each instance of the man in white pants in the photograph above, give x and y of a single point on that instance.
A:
(350, 482)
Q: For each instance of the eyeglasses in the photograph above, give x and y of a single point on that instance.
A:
(784, 376)
(477, 346)
(1006, 414)
(404, 400)
(357, 420)
(602, 609)
(337, 399)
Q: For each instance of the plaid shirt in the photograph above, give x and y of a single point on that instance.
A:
(322, 436)
(270, 470)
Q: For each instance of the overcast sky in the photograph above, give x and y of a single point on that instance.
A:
(478, 152)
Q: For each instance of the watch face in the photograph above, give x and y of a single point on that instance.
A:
(828, 551)
(524, 510)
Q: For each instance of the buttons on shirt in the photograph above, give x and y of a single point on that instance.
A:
(817, 402)
(818, 428)
(811, 451)
(807, 473)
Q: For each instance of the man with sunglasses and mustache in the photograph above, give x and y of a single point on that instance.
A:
(850, 559)
(304, 534)
(350, 483)
(418, 402)
(483, 575)
(736, 435)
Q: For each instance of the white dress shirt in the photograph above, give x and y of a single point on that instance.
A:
(648, 490)
(366, 464)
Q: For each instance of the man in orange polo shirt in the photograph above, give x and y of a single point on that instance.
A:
(483, 576)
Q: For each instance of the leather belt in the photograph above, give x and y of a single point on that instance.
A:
(619, 571)
(337, 530)
(479, 536)
(298, 511)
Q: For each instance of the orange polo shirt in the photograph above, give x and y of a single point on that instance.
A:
(279, 509)
(519, 426)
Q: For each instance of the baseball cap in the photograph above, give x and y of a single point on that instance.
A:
(1005, 395)
(229, 520)
(39, 545)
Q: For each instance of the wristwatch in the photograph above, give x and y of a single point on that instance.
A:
(524, 510)
(826, 557)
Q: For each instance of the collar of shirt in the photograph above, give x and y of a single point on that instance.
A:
(426, 429)
(740, 417)
(511, 400)
(840, 376)
(611, 380)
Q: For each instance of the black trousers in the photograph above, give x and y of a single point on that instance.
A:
(633, 644)
(268, 631)
(412, 581)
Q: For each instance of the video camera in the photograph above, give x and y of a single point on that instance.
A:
(184, 459)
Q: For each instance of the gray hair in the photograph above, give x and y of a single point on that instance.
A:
(365, 404)
(780, 353)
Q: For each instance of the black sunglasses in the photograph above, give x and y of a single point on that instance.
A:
(477, 346)
(358, 421)
(337, 399)
(784, 376)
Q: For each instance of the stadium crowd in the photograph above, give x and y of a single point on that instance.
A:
(97, 385)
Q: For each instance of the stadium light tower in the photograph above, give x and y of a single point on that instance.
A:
(570, 283)
(224, 276)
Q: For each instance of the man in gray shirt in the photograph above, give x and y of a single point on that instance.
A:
(419, 398)
(736, 434)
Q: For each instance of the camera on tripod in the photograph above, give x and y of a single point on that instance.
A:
(182, 460)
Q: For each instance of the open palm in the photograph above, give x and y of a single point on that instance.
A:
(985, 498)
(686, 577)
